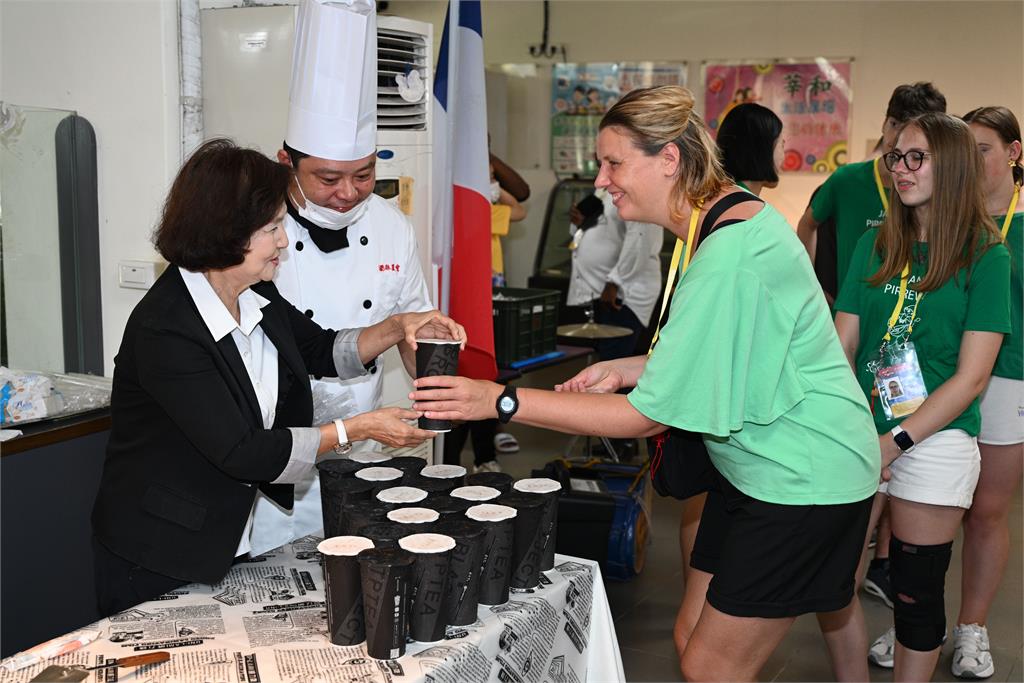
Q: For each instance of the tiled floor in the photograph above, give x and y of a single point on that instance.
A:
(644, 608)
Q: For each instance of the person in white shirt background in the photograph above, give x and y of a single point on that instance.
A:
(616, 267)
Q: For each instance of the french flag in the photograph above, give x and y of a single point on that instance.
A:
(462, 210)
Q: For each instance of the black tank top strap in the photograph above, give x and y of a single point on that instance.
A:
(708, 226)
(710, 222)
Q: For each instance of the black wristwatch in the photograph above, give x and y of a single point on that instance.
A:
(902, 439)
(507, 404)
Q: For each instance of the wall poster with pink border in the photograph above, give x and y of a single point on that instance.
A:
(812, 97)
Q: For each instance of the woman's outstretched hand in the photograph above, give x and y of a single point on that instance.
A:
(455, 398)
(599, 378)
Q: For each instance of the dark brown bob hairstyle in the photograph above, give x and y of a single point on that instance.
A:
(221, 196)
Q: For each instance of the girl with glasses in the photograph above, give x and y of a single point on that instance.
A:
(926, 303)
(1001, 441)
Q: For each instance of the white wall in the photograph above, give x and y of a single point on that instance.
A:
(115, 62)
(971, 50)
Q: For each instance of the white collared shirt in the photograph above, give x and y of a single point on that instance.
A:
(625, 253)
(259, 355)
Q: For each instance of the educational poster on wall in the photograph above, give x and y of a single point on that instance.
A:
(812, 97)
(582, 93)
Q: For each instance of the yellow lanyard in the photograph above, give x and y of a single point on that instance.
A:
(677, 252)
(1009, 212)
(878, 184)
(904, 281)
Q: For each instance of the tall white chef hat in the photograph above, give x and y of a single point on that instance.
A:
(332, 110)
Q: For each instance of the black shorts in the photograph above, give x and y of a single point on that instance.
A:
(714, 523)
(772, 560)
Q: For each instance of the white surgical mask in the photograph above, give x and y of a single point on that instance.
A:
(327, 218)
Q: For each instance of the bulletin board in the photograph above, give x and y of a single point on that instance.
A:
(582, 93)
(811, 96)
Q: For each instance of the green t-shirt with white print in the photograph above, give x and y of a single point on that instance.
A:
(976, 298)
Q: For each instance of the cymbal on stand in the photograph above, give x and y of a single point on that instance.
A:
(592, 330)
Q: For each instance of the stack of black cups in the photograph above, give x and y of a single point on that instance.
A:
(403, 561)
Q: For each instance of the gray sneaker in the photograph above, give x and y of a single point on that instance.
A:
(971, 655)
(883, 651)
(489, 466)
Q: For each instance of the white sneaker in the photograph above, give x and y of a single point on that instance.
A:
(489, 466)
(883, 651)
(971, 656)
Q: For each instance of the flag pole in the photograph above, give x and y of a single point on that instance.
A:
(449, 195)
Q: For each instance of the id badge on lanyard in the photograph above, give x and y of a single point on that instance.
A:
(896, 370)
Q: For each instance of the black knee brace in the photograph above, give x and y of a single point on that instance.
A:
(918, 575)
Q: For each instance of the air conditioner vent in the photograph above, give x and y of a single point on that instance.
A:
(400, 53)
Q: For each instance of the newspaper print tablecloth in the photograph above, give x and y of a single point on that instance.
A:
(266, 621)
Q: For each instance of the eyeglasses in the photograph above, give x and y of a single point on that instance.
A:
(912, 159)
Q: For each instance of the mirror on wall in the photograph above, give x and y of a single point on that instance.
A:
(50, 310)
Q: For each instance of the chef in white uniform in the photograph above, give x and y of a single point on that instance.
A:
(616, 265)
(352, 256)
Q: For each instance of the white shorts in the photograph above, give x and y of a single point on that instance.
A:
(941, 470)
(1002, 412)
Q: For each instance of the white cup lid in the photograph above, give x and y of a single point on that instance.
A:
(426, 543)
(369, 458)
(475, 493)
(438, 341)
(401, 494)
(379, 474)
(443, 471)
(344, 546)
(537, 485)
(491, 513)
(413, 515)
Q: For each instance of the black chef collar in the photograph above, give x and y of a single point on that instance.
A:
(324, 239)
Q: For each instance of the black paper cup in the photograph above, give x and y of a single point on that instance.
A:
(495, 565)
(343, 588)
(454, 473)
(401, 496)
(382, 477)
(334, 494)
(549, 490)
(463, 594)
(435, 488)
(385, 534)
(410, 464)
(418, 519)
(528, 539)
(385, 578)
(476, 494)
(436, 357)
(449, 507)
(429, 584)
(338, 468)
(496, 480)
(372, 458)
(358, 513)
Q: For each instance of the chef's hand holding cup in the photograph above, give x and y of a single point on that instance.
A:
(429, 325)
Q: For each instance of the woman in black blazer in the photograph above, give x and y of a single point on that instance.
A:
(211, 398)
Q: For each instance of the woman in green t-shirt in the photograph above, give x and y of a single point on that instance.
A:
(925, 304)
(986, 545)
(749, 358)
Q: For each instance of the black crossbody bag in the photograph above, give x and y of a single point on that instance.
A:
(680, 465)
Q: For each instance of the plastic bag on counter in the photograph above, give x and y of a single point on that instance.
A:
(31, 396)
(27, 396)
